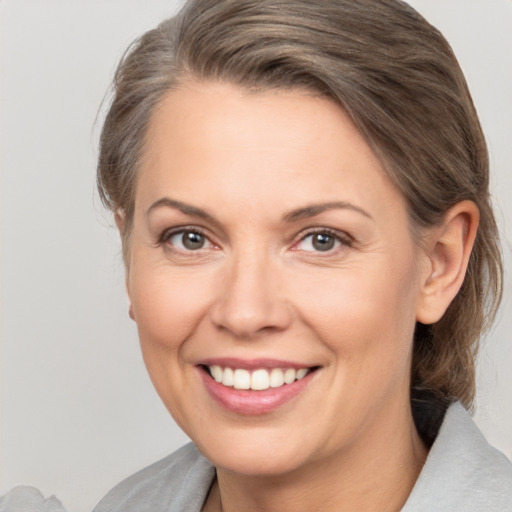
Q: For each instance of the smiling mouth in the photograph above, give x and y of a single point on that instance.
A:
(257, 380)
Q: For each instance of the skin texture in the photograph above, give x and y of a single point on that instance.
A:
(258, 288)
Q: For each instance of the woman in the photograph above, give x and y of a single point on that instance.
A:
(302, 194)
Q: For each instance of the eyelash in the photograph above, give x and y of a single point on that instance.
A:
(344, 239)
(169, 233)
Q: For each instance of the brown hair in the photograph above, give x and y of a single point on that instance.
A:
(391, 71)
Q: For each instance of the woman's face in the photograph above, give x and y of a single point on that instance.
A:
(270, 250)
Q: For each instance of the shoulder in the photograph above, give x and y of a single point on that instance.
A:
(26, 498)
(179, 482)
(462, 472)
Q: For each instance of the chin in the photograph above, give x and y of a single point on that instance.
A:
(257, 464)
(257, 453)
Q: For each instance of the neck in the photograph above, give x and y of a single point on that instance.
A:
(377, 472)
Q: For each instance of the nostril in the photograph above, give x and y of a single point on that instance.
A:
(249, 305)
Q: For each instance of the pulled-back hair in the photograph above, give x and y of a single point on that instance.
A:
(399, 81)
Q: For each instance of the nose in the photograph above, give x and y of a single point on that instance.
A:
(251, 300)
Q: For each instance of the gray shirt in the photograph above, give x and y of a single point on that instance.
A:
(463, 473)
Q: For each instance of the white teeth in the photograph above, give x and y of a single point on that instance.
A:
(216, 373)
(241, 379)
(289, 375)
(301, 373)
(258, 380)
(276, 378)
(228, 377)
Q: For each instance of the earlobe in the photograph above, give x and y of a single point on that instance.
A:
(449, 249)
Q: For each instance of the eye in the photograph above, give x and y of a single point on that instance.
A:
(188, 240)
(321, 241)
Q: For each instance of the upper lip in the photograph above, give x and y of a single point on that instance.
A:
(252, 364)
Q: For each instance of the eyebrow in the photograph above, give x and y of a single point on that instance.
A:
(185, 208)
(317, 209)
(292, 216)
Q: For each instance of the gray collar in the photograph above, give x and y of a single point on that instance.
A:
(463, 473)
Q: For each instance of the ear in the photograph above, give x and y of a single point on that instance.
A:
(120, 219)
(448, 248)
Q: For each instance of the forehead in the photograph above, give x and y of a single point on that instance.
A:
(219, 141)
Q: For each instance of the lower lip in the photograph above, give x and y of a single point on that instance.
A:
(250, 402)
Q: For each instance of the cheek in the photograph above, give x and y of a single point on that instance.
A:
(361, 311)
(168, 307)
(168, 304)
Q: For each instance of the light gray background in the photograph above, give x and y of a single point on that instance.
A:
(78, 412)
